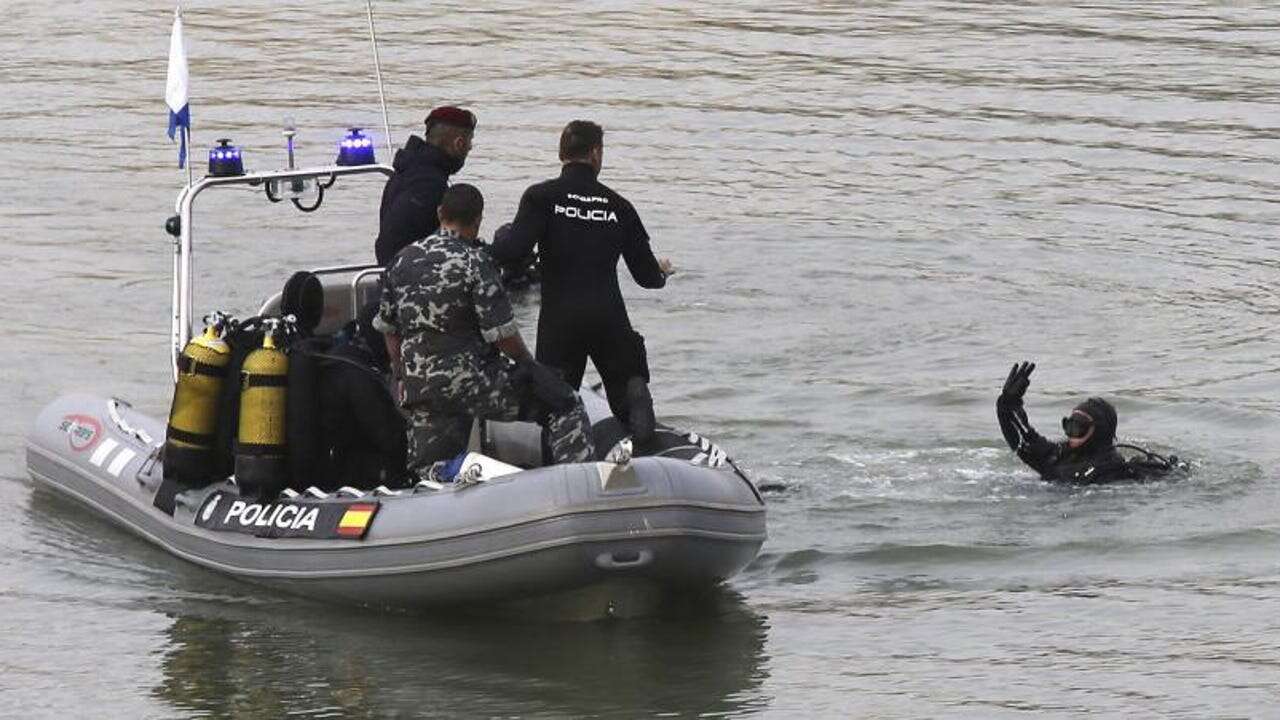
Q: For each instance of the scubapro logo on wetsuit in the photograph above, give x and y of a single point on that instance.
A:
(593, 215)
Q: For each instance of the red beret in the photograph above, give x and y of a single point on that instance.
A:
(450, 115)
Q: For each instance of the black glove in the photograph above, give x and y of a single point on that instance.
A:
(545, 385)
(1015, 386)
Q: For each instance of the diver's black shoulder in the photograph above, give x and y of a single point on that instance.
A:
(550, 184)
(613, 195)
(616, 199)
(541, 190)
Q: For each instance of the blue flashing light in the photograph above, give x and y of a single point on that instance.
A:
(225, 160)
(355, 149)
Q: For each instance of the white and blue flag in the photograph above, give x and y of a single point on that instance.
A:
(175, 93)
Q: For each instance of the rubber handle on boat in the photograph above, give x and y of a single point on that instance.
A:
(624, 559)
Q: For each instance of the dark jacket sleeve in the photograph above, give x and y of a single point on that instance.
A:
(409, 217)
(639, 256)
(527, 230)
(1032, 448)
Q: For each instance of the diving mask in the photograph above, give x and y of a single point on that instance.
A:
(1077, 424)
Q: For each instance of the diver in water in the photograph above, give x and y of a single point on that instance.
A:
(1088, 455)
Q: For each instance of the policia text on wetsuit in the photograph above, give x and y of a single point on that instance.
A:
(581, 228)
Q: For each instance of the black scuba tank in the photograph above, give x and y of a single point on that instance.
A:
(307, 456)
(244, 337)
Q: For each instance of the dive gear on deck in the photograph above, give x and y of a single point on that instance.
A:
(193, 416)
(261, 459)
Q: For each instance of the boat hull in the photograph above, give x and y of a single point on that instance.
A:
(583, 540)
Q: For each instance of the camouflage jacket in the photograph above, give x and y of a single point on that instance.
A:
(444, 298)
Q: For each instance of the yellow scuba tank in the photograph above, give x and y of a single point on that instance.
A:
(193, 416)
(261, 456)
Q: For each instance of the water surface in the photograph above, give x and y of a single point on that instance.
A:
(875, 209)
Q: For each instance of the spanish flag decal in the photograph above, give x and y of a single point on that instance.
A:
(355, 521)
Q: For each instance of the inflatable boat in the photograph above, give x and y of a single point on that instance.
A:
(616, 536)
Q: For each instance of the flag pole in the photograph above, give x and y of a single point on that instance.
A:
(178, 102)
(186, 131)
(377, 68)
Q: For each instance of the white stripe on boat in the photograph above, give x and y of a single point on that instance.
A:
(122, 459)
(107, 447)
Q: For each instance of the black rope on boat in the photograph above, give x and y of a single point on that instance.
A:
(316, 206)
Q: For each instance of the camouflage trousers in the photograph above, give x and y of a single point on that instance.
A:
(439, 428)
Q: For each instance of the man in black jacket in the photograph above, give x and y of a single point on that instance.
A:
(422, 170)
(581, 228)
(1088, 455)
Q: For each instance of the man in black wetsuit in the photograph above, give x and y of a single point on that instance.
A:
(1087, 456)
(422, 170)
(581, 228)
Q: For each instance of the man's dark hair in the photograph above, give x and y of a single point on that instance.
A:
(445, 123)
(462, 204)
(579, 138)
(441, 134)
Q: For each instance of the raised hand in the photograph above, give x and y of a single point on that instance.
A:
(1015, 386)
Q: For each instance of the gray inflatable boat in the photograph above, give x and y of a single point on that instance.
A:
(570, 541)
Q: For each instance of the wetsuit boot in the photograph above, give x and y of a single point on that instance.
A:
(640, 418)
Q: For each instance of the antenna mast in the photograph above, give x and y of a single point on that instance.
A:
(377, 67)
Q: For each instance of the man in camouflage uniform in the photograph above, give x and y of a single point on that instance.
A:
(446, 317)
